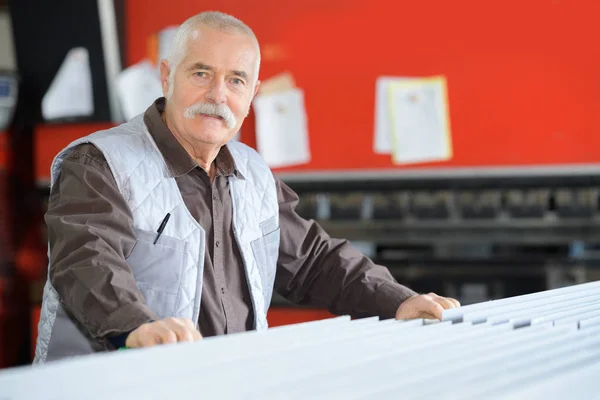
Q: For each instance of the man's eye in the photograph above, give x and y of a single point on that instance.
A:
(200, 74)
(237, 81)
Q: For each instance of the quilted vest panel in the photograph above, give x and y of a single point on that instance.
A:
(143, 179)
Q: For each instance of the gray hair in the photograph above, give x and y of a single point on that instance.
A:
(212, 19)
(214, 110)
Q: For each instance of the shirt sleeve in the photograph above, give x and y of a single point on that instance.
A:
(90, 234)
(315, 269)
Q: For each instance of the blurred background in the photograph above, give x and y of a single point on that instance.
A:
(510, 205)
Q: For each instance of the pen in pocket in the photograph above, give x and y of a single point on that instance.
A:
(161, 228)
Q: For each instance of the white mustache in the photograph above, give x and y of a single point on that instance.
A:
(212, 110)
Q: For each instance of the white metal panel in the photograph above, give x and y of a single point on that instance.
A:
(543, 345)
(457, 313)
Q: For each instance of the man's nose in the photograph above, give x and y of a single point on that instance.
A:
(217, 92)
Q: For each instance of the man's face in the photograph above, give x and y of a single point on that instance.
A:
(216, 73)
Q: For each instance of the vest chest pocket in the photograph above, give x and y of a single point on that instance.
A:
(266, 252)
(158, 270)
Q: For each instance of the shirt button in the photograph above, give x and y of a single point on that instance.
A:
(222, 290)
(217, 243)
(215, 197)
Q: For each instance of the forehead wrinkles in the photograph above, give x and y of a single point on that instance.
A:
(235, 52)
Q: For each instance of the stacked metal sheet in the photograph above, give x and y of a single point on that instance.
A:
(543, 345)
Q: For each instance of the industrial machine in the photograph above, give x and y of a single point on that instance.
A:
(474, 234)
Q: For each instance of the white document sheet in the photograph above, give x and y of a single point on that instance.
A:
(138, 86)
(382, 143)
(281, 128)
(419, 118)
(70, 93)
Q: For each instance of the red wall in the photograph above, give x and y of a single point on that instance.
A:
(523, 76)
(4, 150)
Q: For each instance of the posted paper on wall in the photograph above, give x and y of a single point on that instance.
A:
(382, 143)
(137, 87)
(420, 126)
(281, 128)
(71, 93)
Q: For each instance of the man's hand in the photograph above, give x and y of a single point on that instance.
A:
(425, 306)
(169, 330)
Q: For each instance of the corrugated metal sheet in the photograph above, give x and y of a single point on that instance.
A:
(543, 345)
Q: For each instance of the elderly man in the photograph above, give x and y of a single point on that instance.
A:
(162, 229)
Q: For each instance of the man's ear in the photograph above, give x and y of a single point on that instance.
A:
(253, 96)
(255, 90)
(165, 70)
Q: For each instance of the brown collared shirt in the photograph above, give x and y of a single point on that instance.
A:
(90, 230)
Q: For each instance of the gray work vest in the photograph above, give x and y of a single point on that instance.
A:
(169, 274)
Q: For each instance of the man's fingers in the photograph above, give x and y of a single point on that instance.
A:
(425, 306)
(189, 324)
(181, 329)
(143, 336)
(453, 302)
(190, 327)
(148, 340)
(456, 302)
(165, 333)
(196, 335)
(170, 330)
(443, 301)
(426, 315)
(183, 334)
(434, 308)
(133, 341)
